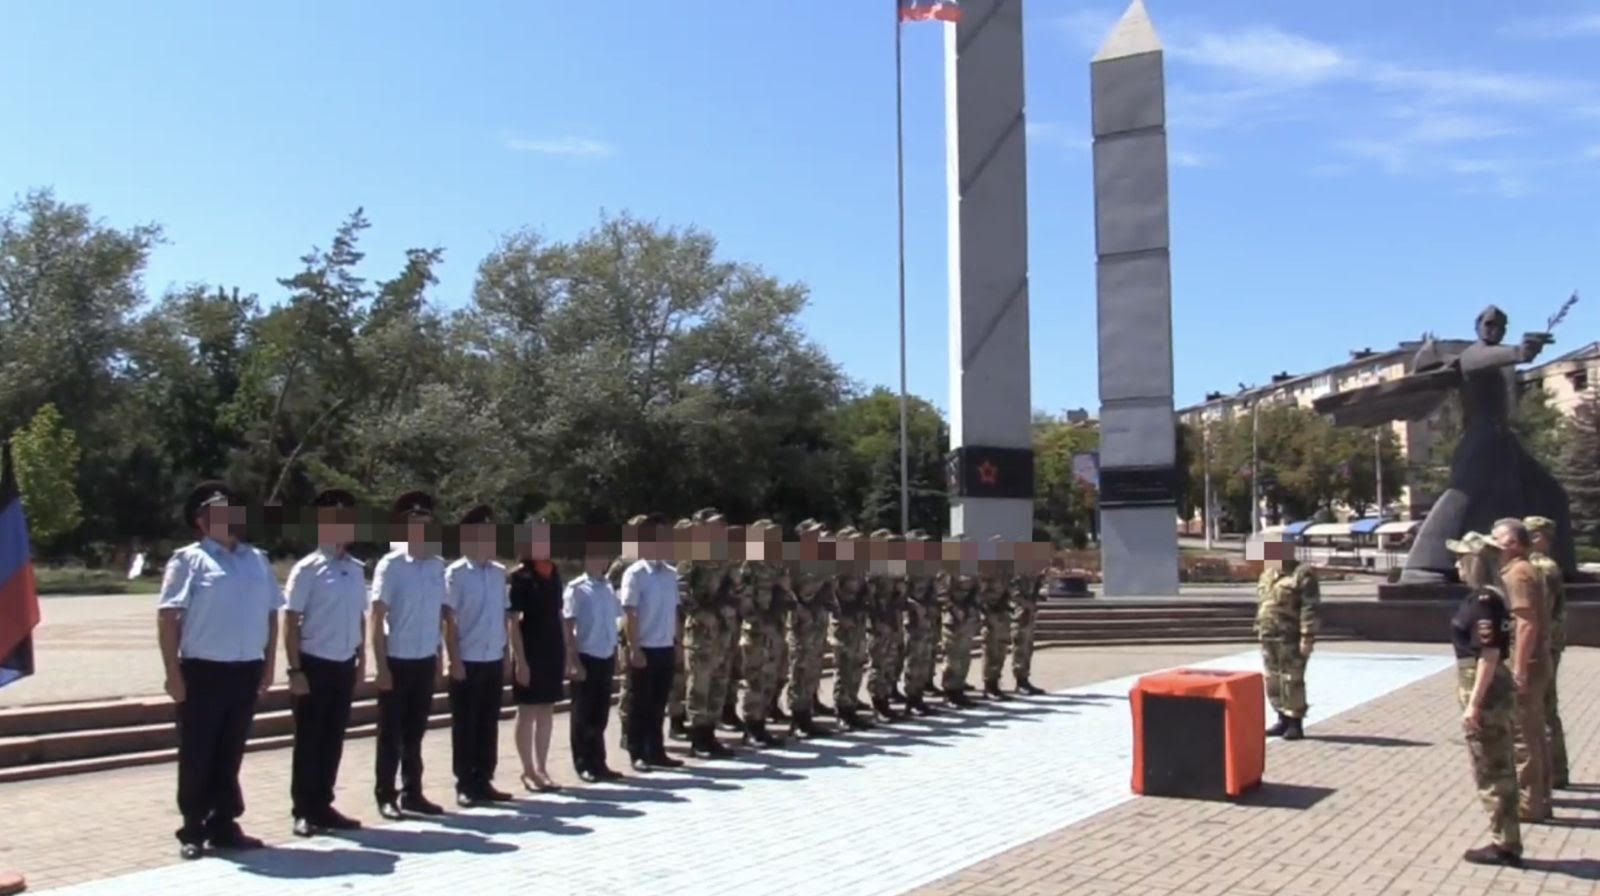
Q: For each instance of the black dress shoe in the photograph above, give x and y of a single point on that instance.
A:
(391, 810)
(420, 804)
(611, 774)
(639, 765)
(662, 760)
(234, 838)
(1492, 855)
(588, 777)
(304, 828)
(190, 851)
(467, 800)
(334, 820)
(488, 792)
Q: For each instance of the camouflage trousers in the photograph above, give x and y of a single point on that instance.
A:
(625, 703)
(1490, 747)
(1285, 674)
(1532, 748)
(1552, 725)
(807, 642)
(762, 651)
(883, 644)
(850, 660)
(705, 648)
(958, 632)
(735, 667)
(1023, 614)
(996, 641)
(919, 653)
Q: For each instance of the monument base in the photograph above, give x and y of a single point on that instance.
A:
(1138, 551)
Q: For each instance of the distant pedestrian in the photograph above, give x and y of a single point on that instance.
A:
(324, 643)
(218, 629)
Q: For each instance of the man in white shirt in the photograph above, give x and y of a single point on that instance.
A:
(323, 635)
(650, 605)
(218, 628)
(591, 611)
(407, 614)
(478, 628)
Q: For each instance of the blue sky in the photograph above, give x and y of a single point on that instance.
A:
(1343, 174)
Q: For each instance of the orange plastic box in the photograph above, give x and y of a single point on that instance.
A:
(1198, 733)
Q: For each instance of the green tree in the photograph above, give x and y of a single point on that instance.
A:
(866, 430)
(1539, 426)
(1579, 468)
(1063, 506)
(46, 454)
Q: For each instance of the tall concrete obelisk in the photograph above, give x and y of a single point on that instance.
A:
(1138, 502)
(991, 412)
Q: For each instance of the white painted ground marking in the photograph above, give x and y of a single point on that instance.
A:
(875, 814)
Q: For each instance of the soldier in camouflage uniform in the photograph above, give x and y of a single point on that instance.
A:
(958, 593)
(630, 553)
(850, 623)
(1287, 618)
(885, 596)
(810, 588)
(765, 605)
(1542, 529)
(996, 608)
(1481, 636)
(704, 594)
(921, 610)
(1024, 610)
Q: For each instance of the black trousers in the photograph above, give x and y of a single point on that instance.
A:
(320, 719)
(650, 688)
(591, 709)
(475, 725)
(402, 720)
(213, 725)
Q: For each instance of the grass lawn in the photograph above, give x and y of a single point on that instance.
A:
(79, 580)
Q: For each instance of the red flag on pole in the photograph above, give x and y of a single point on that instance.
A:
(929, 10)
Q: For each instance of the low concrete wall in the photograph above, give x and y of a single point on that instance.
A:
(1429, 620)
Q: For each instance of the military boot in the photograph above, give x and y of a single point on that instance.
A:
(954, 697)
(1492, 855)
(730, 717)
(1027, 687)
(992, 689)
(853, 720)
(703, 742)
(886, 712)
(1293, 731)
(1278, 729)
(802, 725)
(916, 704)
(678, 728)
(895, 696)
(774, 711)
(818, 707)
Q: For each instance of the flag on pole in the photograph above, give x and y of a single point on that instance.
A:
(19, 599)
(929, 10)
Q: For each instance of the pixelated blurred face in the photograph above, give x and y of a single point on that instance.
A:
(755, 544)
(536, 542)
(1540, 541)
(478, 541)
(913, 551)
(223, 521)
(1274, 552)
(844, 550)
(336, 525)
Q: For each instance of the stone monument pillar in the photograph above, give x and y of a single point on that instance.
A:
(1138, 502)
(991, 412)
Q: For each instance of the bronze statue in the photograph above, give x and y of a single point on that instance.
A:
(1492, 475)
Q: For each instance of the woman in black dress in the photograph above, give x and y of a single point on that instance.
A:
(536, 599)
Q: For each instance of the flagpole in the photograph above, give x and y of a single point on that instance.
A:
(900, 175)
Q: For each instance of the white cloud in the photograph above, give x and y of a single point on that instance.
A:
(1581, 25)
(1266, 54)
(562, 146)
(1183, 158)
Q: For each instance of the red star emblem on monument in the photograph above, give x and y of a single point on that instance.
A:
(988, 473)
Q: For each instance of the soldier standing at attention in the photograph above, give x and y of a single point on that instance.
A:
(1286, 624)
(323, 642)
(882, 604)
(737, 573)
(959, 593)
(1024, 610)
(218, 628)
(807, 619)
(480, 633)
(1481, 634)
(1530, 663)
(407, 616)
(921, 609)
(996, 616)
(1542, 530)
(765, 606)
(702, 590)
(629, 553)
(850, 623)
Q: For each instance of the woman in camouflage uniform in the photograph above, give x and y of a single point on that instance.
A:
(1481, 635)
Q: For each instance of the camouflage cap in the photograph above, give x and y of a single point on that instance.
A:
(848, 532)
(684, 523)
(639, 519)
(917, 535)
(805, 527)
(881, 535)
(762, 523)
(1475, 543)
(708, 515)
(1540, 525)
